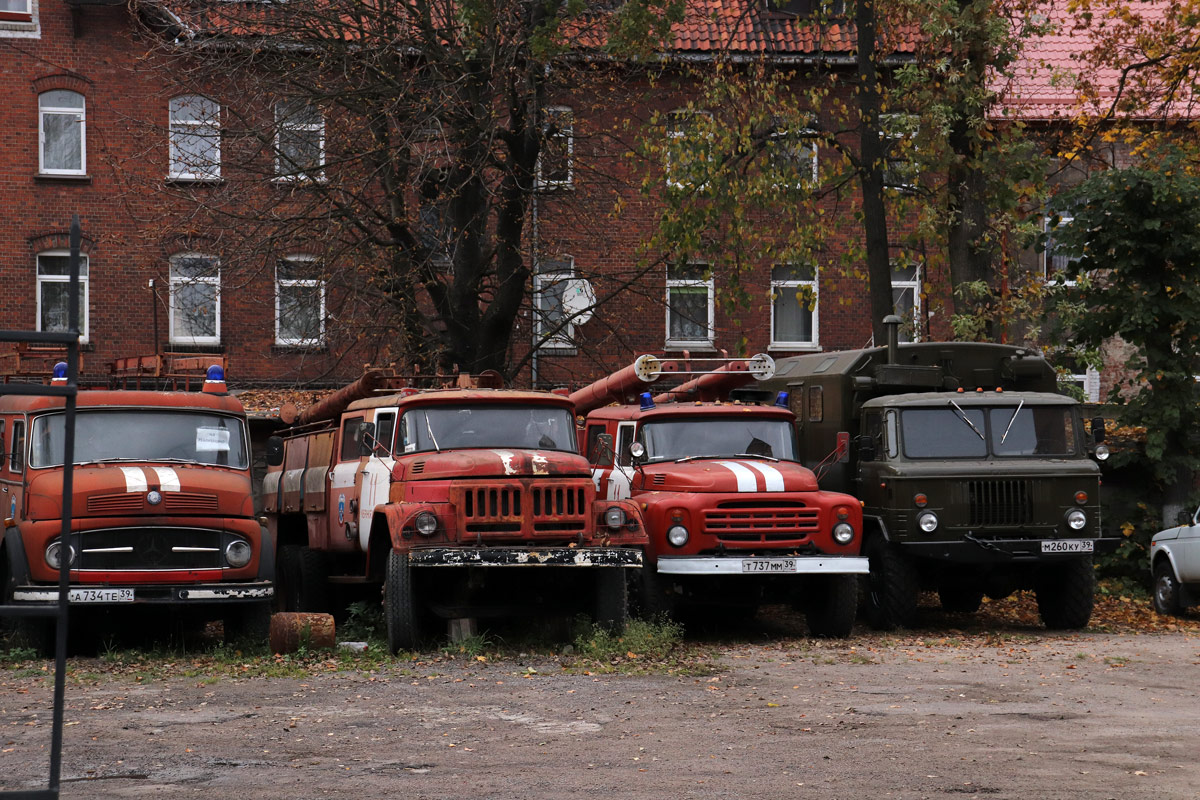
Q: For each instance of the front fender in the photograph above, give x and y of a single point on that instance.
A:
(402, 530)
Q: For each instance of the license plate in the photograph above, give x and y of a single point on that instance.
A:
(100, 595)
(1068, 546)
(768, 565)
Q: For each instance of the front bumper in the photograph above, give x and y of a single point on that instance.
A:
(526, 557)
(189, 594)
(975, 550)
(761, 566)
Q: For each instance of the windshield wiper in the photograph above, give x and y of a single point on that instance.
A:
(754, 455)
(724, 455)
(693, 458)
(429, 430)
(139, 458)
(1011, 420)
(963, 416)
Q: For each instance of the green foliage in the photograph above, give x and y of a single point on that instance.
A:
(364, 623)
(641, 646)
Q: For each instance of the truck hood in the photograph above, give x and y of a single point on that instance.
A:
(1036, 468)
(731, 475)
(121, 490)
(491, 463)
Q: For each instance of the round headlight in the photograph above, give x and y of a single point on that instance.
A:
(927, 521)
(54, 555)
(677, 535)
(843, 533)
(238, 553)
(1076, 519)
(614, 517)
(1102, 452)
(426, 523)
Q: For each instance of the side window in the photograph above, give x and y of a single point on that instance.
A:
(16, 459)
(2, 439)
(351, 440)
(893, 445)
(596, 455)
(624, 439)
(385, 425)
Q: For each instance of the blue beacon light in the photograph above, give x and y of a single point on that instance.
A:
(782, 400)
(647, 401)
(60, 369)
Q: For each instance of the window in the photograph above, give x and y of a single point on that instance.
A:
(899, 132)
(689, 305)
(16, 459)
(63, 149)
(195, 299)
(385, 427)
(300, 141)
(1055, 258)
(195, 138)
(625, 432)
(688, 149)
(352, 437)
(555, 166)
(793, 306)
(792, 156)
(16, 10)
(550, 286)
(53, 292)
(299, 302)
(906, 299)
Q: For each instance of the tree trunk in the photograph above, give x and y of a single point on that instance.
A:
(875, 224)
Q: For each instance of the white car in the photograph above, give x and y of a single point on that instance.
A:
(1175, 564)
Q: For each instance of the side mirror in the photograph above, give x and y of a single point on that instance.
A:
(366, 438)
(1097, 429)
(866, 448)
(603, 450)
(637, 451)
(274, 451)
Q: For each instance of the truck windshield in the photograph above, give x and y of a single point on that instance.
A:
(670, 440)
(974, 432)
(513, 427)
(191, 437)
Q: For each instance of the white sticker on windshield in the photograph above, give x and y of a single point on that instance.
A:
(210, 440)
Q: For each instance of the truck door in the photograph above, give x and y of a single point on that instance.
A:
(376, 472)
(342, 498)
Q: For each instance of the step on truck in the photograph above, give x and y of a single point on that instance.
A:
(733, 519)
(458, 503)
(976, 476)
(162, 508)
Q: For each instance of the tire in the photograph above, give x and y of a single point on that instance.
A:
(1066, 593)
(611, 610)
(248, 624)
(890, 589)
(831, 605)
(653, 598)
(301, 580)
(960, 599)
(1166, 590)
(400, 604)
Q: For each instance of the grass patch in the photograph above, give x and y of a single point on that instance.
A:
(642, 648)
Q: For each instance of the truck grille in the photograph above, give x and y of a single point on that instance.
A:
(150, 549)
(765, 521)
(1000, 502)
(546, 509)
(189, 502)
(115, 503)
(176, 502)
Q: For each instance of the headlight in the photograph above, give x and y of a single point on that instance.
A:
(1076, 519)
(1102, 452)
(843, 533)
(677, 535)
(238, 553)
(614, 517)
(426, 523)
(927, 521)
(54, 555)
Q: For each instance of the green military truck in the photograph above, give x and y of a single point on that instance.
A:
(976, 477)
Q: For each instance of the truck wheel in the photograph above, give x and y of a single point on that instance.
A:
(248, 624)
(400, 604)
(653, 599)
(831, 605)
(960, 599)
(890, 589)
(1166, 590)
(301, 580)
(612, 599)
(1065, 593)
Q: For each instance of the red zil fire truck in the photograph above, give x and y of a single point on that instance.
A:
(733, 518)
(162, 506)
(461, 503)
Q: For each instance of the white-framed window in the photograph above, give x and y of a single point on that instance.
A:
(53, 290)
(792, 155)
(898, 133)
(195, 316)
(689, 305)
(61, 133)
(689, 149)
(556, 161)
(906, 299)
(299, 141)
(299, 302)
(550, 284)
(16, 10)
(793, 306)
(195, 138)
(1055, 258)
